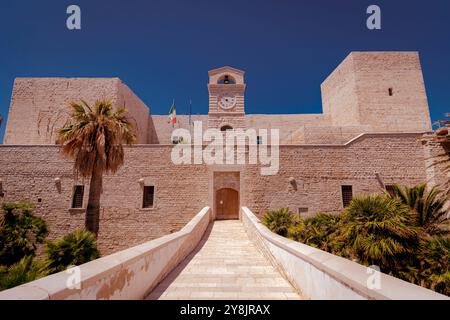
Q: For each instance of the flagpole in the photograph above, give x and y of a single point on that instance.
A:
(190, 111)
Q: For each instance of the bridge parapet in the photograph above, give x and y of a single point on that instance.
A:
(129, 274)
(321, 275)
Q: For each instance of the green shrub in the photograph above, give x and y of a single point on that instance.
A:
(406, 235)
(320, 232)
(296, 232)
(279, 221)
(75, 248)
(380, 231)
(429, 207)
(24, 271)
(20, 232)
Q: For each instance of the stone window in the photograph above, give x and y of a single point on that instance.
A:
(78, 195)
(391, 92)
(258, 140)
(149, 194)
(390, 189)
(347, 195)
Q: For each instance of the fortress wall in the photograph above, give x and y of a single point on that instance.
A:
(40, 106)
(320, 171)
(332, 135)
(164, 129)
(288, 124)
(29, 172)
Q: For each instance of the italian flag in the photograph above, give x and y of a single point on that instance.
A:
(173, 113)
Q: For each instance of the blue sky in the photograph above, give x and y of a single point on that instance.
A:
(163, 48)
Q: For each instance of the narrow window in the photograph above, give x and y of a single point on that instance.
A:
(347, 195)
(391, 92)
(258, 140)
(390, 189)
(149, 193)
(77, 199)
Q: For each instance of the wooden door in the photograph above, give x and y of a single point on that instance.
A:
(227, 204)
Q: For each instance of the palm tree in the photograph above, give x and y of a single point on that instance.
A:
(75, 248)
(25, 270)
(319, 231)
(380, 231)
(93, 137)
(434, 259)
(429, 206)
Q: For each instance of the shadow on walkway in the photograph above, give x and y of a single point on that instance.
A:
(167, 281)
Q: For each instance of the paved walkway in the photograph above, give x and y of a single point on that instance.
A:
(225, 265)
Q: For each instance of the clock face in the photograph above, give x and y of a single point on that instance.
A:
(227, 102)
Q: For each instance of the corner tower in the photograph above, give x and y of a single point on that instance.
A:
(382, 90)
(226, 99)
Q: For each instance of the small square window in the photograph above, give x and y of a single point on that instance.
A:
(347, 195)
(149, 194)
(302, 210)
(78, 195)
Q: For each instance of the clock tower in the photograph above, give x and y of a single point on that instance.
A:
(226, 99)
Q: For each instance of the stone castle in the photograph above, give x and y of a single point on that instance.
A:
(375, 111)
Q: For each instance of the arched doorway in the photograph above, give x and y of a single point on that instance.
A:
(227, 204)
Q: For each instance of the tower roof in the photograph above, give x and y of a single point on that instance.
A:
(225, 69)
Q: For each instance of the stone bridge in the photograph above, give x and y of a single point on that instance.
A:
(225, 260)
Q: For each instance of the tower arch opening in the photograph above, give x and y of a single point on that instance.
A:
(226, 79)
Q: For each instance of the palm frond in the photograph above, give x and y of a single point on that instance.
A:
(94, 136)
